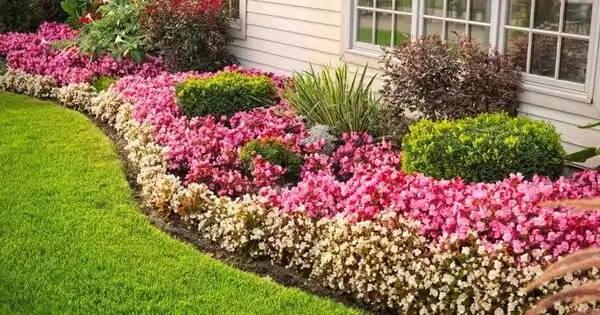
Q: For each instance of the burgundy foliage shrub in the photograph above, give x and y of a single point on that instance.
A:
(436, 79)
(188, 34)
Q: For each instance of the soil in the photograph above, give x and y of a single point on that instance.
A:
(179, 229)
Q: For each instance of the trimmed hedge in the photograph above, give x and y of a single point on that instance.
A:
(271, 150)
(486, 148)
(224, 94)
(102, 83)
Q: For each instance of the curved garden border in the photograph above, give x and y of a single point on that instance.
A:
(382, 261)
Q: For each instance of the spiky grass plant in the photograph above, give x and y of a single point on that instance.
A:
(582, 260)
(336, 98)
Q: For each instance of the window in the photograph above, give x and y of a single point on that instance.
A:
(461, 16)
(551, 37)
(555, 40)
(233, 9)
(236, 10)
(383, 22)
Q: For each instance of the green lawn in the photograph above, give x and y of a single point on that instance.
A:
(73, 241)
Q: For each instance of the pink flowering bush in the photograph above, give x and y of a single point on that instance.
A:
(53, 32)
(33, 53)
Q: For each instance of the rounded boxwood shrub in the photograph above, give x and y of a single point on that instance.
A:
(485, 148)
(102, 83)
(224, 94)
(271, 150)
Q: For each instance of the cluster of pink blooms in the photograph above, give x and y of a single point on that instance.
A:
(34, 54)
(206, 149)
(362, 178)
(53, 32)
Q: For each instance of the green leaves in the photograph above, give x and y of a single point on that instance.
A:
(118, 33)
(224, 94)
(103, 83)
(76, 9)
(583, 155)
(336, 99)
(273, 151)
(486, 148)
(587, 153)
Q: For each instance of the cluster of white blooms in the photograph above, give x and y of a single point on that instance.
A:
(384, 261)
(33, 85)
(105, 106)
(76, 96)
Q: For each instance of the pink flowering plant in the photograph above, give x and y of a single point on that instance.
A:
(362, 178)
(34, 54)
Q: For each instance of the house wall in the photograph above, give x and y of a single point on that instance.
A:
(283, 36)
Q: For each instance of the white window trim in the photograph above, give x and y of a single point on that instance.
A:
(237, 27)
(535, 83)
(582, 92)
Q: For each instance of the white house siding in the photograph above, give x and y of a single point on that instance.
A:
(283, 36)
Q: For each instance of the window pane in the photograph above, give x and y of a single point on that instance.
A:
(481, 10)
(457, 9)
(364, 25)
(383, 34)
(384, 4)
(573, 60)
(543, 57)
(403, 23)
(452, 27)
(434, 7)
(519, 13)
(516, 47)
(480, 33)
(235, 9)
(547, 14)
(578, 17)
(404, 5)
(365, 3)
(433, 27)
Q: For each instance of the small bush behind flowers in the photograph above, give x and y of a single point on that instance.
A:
(486, 148)
(437, 80)
(187, 34)
(224, 93)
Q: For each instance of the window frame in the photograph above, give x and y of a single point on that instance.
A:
(579, 91)
(237, 27)
(582, 92)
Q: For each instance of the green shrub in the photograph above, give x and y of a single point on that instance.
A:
(273, 151)
(343, 102)
(117, 33)
(102, 83)
(224, 94)
(77, 9)
(27, 15)
(486, 148)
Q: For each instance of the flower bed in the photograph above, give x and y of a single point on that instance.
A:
(354, 221)
(34, 54)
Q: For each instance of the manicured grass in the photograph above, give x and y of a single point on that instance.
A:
(73, 241)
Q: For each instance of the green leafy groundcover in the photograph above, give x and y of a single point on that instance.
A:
(73, 241)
